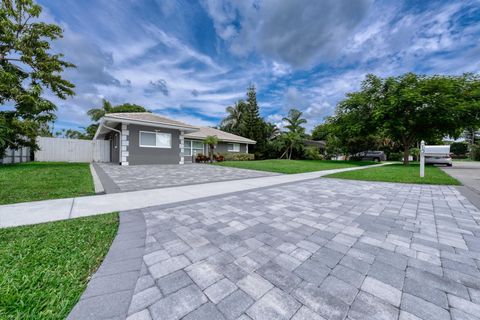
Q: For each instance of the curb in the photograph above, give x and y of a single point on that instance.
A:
(110, 290)
(97, 183)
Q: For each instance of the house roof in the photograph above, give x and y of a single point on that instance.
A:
(221, 135)
(147, 117)
(315, 143)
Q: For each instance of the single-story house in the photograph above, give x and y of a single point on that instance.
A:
(148, 138)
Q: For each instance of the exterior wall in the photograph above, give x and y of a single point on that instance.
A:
(124, 143)
(222, 147)
(114, 138)
(142, 155)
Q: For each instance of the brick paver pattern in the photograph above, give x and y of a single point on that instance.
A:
(142, 177)
(320, 249)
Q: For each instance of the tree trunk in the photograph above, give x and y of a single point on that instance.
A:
(291, 151)
(406, 153)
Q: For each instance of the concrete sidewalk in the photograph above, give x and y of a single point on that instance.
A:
(61, 209)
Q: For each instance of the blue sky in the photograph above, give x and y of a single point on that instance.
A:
(190, 59)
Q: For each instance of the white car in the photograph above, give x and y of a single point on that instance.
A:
(445, 160)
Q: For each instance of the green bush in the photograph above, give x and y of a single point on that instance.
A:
(311, 153)
(459, 148)
(230, 156)
(475, 152)
(415, 153)
(395, 156)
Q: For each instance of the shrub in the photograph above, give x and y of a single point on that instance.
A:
(415, 153)
(475, 152)
(230, 156)
(459, 148)
(311, 153)
(218, 157)
(395, 156)
(202, 158)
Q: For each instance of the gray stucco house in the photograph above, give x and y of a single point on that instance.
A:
(148, 138)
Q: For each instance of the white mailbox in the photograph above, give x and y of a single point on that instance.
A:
(431, 151)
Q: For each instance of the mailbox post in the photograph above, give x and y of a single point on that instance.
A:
(422, 159)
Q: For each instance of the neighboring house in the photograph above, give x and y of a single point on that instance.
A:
(147, 138)
(320, 145)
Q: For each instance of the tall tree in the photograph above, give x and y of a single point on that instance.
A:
(252, 122)
(233, 121)
(408, 108)
(253, 126)
(97, 113)
(292, 140)
(295, 121)
(27, 68)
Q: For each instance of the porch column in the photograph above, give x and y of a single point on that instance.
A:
(182, 143)
(124, 145)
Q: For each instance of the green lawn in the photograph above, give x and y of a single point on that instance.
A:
(44, 268)
(399, 173)
(292, 166)
(44, 180)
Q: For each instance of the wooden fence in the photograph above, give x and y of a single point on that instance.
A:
(72, 150)
(16, 156)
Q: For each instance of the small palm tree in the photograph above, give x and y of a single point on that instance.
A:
(211, 141)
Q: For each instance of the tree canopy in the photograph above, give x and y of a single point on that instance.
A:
(407, 109)
(243, 118)
(27, 69)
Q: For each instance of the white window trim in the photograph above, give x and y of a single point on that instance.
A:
(156, 147)
(233, 144)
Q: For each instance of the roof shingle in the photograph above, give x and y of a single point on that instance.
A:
(221, 135)
(148, 117)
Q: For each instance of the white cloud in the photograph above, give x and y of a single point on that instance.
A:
(302, 33)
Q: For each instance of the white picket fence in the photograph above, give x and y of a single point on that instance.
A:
(72, 150)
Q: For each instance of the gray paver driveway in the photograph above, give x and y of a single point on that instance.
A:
(142, 177)
(320, 249)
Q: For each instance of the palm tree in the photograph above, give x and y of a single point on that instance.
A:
(97, 113)
(211, 141)
(272, 131)
(293, 139)
(231, 123)
(294, 121)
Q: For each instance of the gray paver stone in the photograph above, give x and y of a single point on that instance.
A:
(423, 309)
(219, 290)
(276, 304)
(178, 304)
(208, 311)
(368, 307)
(174, 282)
(235, 304)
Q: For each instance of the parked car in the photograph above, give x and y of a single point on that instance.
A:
(376, 156)
(438, 155)
(446, 160)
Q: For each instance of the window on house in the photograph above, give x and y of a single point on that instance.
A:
(233, 147)
(155, 139)
(192, 148)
